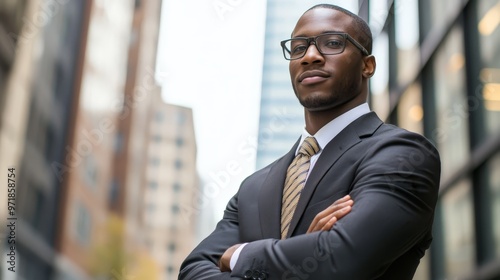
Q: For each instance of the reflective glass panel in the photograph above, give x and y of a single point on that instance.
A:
(458, 228)
(451, 133)
(410, 112)
(407, 31)
(489, 36)
(379, 83)
(494, 180)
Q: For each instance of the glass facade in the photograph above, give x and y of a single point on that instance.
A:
(494, 193)
(451, 103)
(458, 228)
(489, 40)
(438, 74)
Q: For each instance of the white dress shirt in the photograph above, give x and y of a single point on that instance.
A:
(323, 137)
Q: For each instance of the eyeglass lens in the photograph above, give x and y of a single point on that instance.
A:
(326, 44)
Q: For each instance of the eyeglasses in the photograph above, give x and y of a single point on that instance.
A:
(327, 44)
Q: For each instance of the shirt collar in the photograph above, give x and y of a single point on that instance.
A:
(335, 126)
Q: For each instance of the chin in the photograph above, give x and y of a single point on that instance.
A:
(320, 104)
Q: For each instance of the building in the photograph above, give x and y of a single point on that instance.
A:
(77, 92)
(87, 169)
(171, 183)
(443, 83)
(41, 89)
(14, 73)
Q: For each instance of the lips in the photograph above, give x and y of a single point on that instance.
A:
(313, 76)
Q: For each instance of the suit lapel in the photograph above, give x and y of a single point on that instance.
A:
(350, 136)
(270, 196)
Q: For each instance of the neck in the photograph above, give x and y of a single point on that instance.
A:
(315, 120)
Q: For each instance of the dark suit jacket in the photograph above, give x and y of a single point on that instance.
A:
(391, 174)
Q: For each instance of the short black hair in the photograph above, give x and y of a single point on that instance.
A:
(364, 36)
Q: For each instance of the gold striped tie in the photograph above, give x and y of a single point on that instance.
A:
(295, 180)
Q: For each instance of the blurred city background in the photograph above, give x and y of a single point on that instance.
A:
(130, 123)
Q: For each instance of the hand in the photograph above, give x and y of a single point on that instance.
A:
(226, 258)
(325, 219)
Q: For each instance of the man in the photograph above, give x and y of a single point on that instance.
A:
(271, 230)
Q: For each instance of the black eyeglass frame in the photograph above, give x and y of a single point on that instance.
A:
(312, 40)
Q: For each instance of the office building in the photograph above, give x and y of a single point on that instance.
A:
(55, 32)
(171, 186)
(86, 172)
(439, 75)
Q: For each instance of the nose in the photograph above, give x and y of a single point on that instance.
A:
(312, 55)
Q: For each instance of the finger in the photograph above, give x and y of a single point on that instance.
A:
(330, 223)
(328, 212)
(343, 199)
(320, 224)
(312, 226)
(326, 215)
(342, 212)
(333, 218)
(338, 205)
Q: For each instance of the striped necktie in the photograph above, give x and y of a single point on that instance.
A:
(295, 180)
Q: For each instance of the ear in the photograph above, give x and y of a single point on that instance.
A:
(369, 66)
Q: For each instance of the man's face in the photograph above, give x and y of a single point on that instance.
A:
(324, 82)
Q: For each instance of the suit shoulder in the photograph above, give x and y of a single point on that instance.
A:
(391, 134)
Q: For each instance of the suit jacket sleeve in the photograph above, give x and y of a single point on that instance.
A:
(202, 262)
(394, 190)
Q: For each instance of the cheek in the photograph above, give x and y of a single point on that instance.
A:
(292, 68)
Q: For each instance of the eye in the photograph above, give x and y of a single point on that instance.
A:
(333, 43)
(299, 48)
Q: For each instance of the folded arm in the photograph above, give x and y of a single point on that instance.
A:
(395, 191)
(202, 263)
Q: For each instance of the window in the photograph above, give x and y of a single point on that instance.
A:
(154, 161)
(175, 209)
(159, 116)
(153, 185)
(114, 189)
(157, 138)
(82, 224)
(489, 39)
(49, 142)
(178, 164)
(37, 219)
(179, 142)
(407, 36)
(452, 131)
(494, 195)
(458, 228)
(180, 118)
(177, 187)
(171, 247)
(151, 207)
(410, 112)
(118, 144)
(379, 83)
(90, 171)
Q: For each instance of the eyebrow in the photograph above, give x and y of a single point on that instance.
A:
(327, 31)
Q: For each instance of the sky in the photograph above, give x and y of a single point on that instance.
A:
(210, 55)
